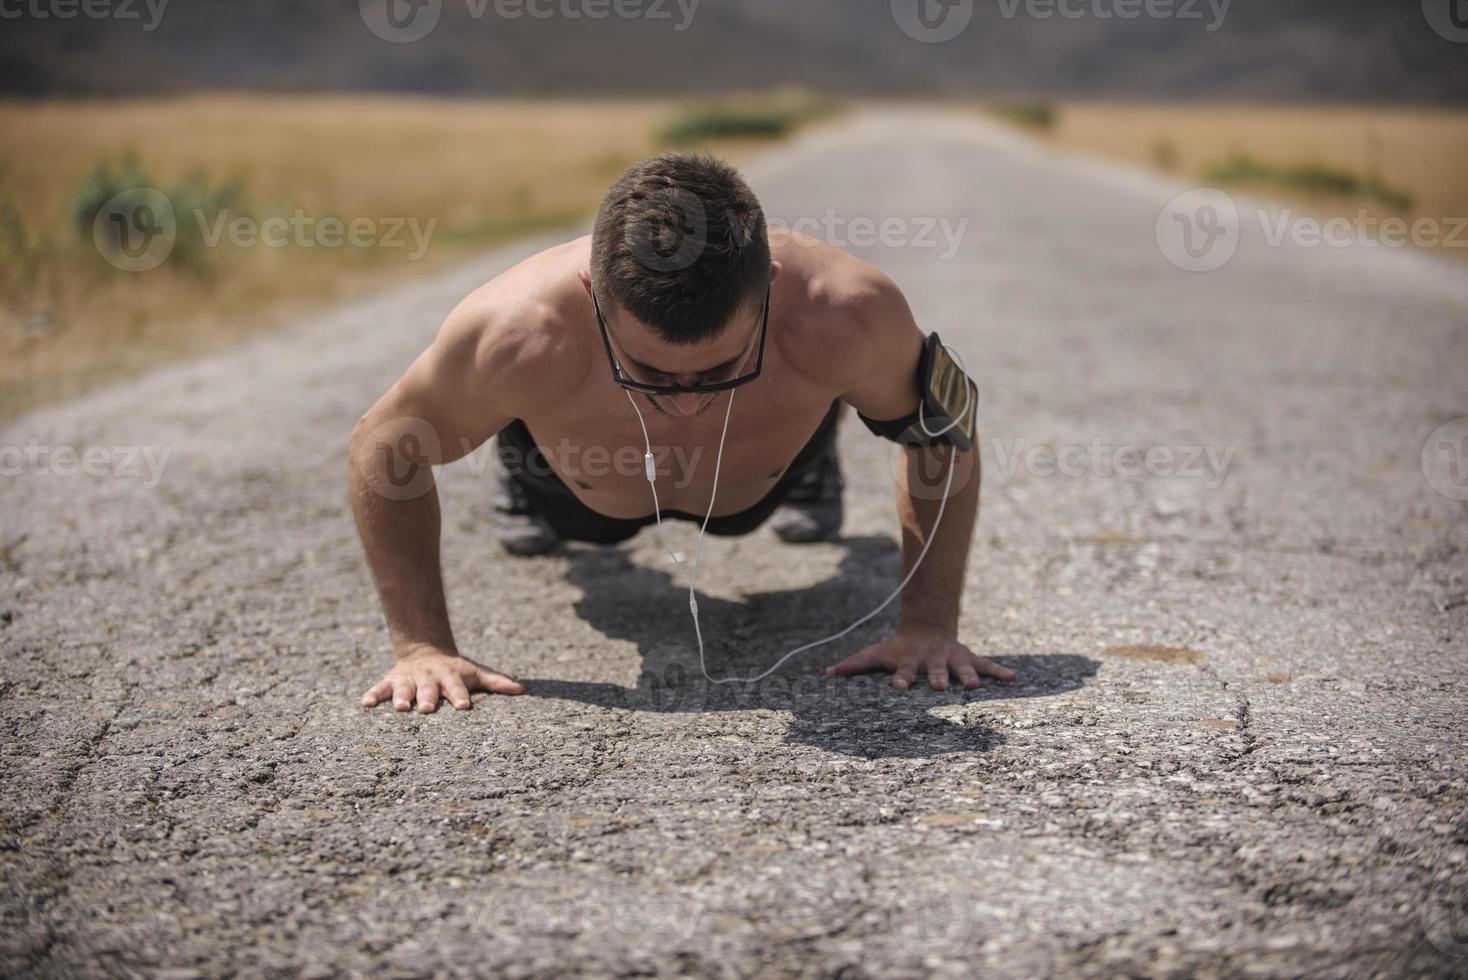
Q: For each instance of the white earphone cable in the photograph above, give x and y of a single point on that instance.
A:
(649, 466)
(698, 553)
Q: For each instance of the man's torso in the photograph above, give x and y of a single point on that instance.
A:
(592, 437)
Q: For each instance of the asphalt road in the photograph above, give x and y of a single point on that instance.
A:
(1237, 746)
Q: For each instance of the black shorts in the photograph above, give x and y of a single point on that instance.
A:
(574, 521)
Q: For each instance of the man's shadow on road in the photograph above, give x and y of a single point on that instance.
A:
(859, 716)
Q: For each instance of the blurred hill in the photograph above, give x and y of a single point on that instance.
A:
(1263, 50)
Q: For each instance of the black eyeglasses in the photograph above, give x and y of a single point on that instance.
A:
(620, 376)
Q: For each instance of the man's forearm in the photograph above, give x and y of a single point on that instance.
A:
(933, 598)
(401, 539)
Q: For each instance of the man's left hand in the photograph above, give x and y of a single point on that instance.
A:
(912, 651)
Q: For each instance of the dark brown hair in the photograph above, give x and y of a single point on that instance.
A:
(680, 243)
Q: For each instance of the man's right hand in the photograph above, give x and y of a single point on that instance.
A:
(426, 673)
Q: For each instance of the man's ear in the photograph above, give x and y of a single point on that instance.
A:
(774, 271)
(585, 278)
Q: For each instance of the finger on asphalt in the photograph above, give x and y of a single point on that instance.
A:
(494, 681)
(857, 663)
(456, 693)
(990, 669)
(376, 693)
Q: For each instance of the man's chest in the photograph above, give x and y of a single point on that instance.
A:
(598, 449)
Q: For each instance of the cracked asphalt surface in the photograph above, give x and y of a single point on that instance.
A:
(1236, 747)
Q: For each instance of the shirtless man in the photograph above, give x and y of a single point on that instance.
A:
(680, 285)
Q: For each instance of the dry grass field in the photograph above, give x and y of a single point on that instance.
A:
(465, 173)
(1416, 152)
(470, 173)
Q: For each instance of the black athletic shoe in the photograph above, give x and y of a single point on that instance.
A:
(521, 531)
(812, 510)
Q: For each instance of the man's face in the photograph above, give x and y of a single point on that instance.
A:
(645, 356)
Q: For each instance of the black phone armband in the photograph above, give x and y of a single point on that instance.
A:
(947, 407)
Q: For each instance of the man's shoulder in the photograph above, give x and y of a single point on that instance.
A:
(849, 311)
(522, 332)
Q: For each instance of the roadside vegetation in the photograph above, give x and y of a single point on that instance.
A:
(1364, 163)
(273, 205)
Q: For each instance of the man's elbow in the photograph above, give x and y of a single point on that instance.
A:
(392, 459)
(356, 442)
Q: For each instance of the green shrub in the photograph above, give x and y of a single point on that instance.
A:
(1164, 154)
(17, 258)
(1308, 178)
(770, 118)
(98, 187)
(1039, 115)
(194, 202)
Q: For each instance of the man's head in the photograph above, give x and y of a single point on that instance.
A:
(680, 268)
(680, 244)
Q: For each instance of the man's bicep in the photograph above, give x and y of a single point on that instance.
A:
(892, 345)
(446, 401)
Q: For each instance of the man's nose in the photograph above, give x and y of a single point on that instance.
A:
(685, 404)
